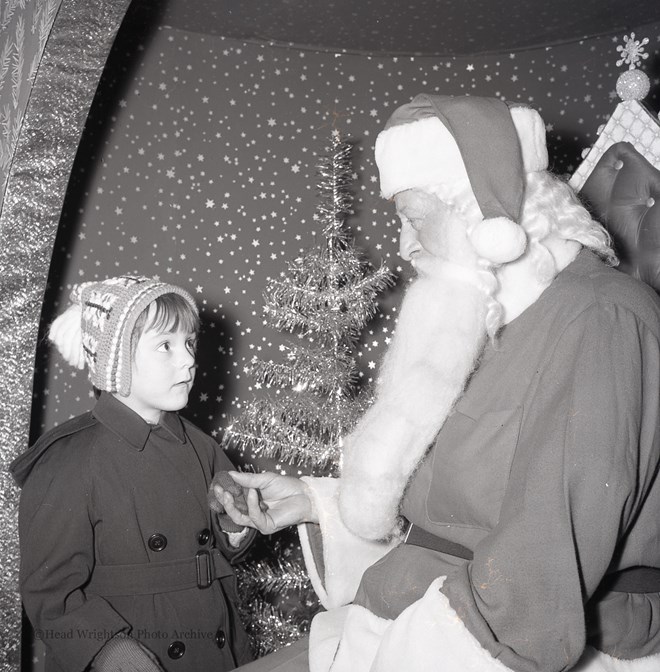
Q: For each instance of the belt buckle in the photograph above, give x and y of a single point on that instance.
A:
(204, 568)
(408, 526)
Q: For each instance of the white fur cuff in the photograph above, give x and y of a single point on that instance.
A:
(345, 555)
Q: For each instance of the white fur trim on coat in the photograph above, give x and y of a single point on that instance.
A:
(356, 628)
(428, 636)
(345, 555)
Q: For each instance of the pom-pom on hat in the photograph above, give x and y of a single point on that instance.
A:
(97, 329)
(467, 141)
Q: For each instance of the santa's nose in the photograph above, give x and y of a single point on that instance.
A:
(408, 241)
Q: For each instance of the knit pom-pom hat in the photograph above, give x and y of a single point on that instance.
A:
(97, 329)
(466, 141)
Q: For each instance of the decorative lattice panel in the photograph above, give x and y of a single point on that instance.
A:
(631, 122)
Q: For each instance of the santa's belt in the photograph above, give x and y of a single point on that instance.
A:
(631, 580)
(417, 536)
(151, 578)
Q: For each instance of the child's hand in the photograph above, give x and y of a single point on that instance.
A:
(273, 501)
(222, 482)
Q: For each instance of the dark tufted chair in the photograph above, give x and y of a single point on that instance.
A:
(623, 193)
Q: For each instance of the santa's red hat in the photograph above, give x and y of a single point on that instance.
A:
(467, 141)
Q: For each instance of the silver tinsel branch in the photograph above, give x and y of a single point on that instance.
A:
(300, 431)
(271, 630)
(269, 578)
(311, 399)
(302, 370)
(325, 297)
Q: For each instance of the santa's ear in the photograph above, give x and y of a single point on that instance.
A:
(66, 334)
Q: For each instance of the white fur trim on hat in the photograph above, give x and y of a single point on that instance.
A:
(531, 133)
(424, 152)
(417, 155)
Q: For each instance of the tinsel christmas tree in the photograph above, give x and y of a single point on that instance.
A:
(312, 397)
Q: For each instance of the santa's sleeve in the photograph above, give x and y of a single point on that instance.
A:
(582, 469)
(335, 558)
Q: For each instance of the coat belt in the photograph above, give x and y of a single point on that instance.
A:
(630, 580)
(150, 578)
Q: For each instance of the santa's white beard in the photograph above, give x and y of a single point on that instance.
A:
(438, 339)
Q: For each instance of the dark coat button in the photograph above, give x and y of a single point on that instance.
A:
(220, 638)
(157, 542)
(176, 650)
(203, 536)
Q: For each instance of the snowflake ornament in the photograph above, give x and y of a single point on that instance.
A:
(632, 51)
(632, 84)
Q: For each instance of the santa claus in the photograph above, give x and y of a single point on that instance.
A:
(498, 504)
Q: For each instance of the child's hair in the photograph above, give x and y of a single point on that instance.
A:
(172, 313)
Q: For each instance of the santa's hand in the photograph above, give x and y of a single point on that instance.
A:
(286, 500)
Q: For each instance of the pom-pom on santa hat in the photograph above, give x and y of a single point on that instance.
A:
(467, 141)
(97, 328)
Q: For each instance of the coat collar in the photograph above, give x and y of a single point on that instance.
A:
(130, 427)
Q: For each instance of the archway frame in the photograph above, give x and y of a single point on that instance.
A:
(72, 61)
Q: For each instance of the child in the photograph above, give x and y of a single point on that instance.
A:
(123, 565)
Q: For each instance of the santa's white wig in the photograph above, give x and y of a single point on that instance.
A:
(551, 206)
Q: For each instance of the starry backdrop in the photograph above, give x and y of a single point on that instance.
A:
(198, 166)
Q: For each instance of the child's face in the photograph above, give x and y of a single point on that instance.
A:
(163, 372)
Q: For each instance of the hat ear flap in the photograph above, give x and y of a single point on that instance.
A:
(66, 334)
